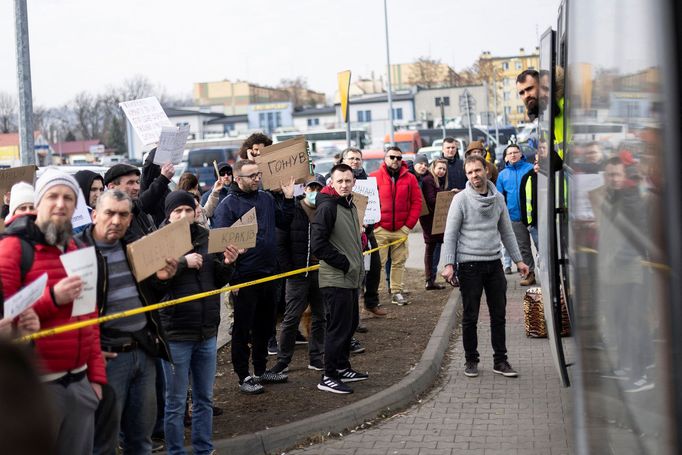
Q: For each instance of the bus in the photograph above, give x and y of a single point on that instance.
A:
(326, 143)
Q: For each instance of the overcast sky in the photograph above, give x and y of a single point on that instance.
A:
(88, 45)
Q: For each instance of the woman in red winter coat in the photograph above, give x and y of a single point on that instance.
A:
(434, 181)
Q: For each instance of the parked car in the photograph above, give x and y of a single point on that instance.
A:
(200, 163)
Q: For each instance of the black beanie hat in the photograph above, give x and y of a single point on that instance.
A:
(177, 198)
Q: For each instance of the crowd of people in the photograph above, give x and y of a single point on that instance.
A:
(113, 387)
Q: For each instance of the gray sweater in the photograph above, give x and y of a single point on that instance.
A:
(475, 226)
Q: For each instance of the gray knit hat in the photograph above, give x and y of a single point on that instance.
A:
(53, 177)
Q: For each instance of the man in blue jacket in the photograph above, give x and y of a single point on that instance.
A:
(509, 184)
(254, 306)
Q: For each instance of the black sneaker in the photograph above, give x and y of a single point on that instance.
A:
(332, 385)
(356, 347)
(270, 377)
(471, 369)
(505, 369)
(350, 375)
(272, 346)
(316, 365)
(217, 411)
(362, 328)
(300, 339)
(280, 367)
(250, 386)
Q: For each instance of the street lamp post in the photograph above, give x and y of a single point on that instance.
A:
(388, 63)
(27, 149)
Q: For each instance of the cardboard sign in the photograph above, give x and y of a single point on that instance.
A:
(148, 254)
(10, 176)
(83, 263)
(425, 207)
(242, 236)
(26, 297)
(361, 203)
(440, 214)
(280, 162)
(147, 118)
(171, 144)
(369, 188)
(247, 218)
(81, 216)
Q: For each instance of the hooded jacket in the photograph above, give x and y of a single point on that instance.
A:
(65, 351)
(509, 184)
(336, 240)
(261, 260)
(85, 179)
(400, 199)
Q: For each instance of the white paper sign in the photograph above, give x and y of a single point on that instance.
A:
(25, 297)
(81, 216)
(147, 118)
(83, 263)
(369, 188)
(171, 144)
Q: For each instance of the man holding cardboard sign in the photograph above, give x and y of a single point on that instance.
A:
(131, 344)
(254, 306)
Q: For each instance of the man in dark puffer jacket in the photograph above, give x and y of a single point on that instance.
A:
(192, 329)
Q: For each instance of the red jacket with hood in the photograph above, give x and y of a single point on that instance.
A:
(400, 199)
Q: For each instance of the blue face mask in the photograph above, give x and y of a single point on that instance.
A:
(310, 197)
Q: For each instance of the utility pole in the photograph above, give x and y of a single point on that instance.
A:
(497, 130)
(27, 150)
(468, 107)
(442, 115)
(388, 63)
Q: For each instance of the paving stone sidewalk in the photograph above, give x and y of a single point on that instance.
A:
(490, 414)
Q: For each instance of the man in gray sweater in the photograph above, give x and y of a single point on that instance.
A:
(477, 220)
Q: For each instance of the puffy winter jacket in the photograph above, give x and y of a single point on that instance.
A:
(294, 249)
(65, 351)
(261, 260)
(509, 183)
(196, 320)
(430, 191)
(400, 200)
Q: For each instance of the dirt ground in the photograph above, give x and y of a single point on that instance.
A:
(394, 345)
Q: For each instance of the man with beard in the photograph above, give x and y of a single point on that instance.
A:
(477, 221)
(71, 363)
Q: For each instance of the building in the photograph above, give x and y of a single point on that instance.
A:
(267, 117)
(316, 118)
(10, 150)
(505, 70)
(228, 125)
(422, 73)
(197, 119)
(427, 105)
(76, 152)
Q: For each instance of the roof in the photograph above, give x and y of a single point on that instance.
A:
(74, 147)
(380, 98)
(229, 120)
(173, 112)
(325, 110)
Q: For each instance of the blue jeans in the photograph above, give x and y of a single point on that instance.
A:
(199, 359)
(132, 375)
(534, 235)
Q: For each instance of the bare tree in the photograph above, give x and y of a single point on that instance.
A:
(8, 113)
(298, 91)
(428, 72)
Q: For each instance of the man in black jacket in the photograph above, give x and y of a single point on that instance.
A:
(131, 344)
(156, 178)
(457, 179)
(303, 289)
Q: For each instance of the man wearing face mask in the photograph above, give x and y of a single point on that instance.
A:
(303, 289)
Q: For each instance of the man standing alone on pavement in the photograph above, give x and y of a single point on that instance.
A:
(336, 240)
(401, 203)
(477, 221)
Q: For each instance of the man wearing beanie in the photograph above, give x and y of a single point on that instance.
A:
(131, 345)
(192, 329)
(21, 199)
(71, 363)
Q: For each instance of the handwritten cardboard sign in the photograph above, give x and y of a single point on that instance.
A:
(247, 218)
(83, 263)
(26, 297)
(440, 214)
(10, 176)
(148, 254)
(425, 207)
(147, 118)
(284, 160)
(361, 202)
(242, 236)
(369, 188)
(171, 144)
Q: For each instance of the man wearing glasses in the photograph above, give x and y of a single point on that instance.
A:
(401, 204)
(509, 185)
(254, 306)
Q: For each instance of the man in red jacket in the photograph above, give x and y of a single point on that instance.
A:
(401, 203)
(71, 363)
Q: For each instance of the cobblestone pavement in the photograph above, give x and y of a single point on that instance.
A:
(490, 414)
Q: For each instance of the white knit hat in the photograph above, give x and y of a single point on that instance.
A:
(53, 177)
(21, 193)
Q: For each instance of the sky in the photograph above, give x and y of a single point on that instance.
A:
(86, 45)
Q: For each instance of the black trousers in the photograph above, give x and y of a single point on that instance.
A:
(254, 312)
(373, 276)
(343, 316)
(474, 277)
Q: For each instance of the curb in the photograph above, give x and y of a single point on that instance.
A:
(397, 396)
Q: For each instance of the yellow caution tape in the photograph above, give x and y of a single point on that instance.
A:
(124, 314)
